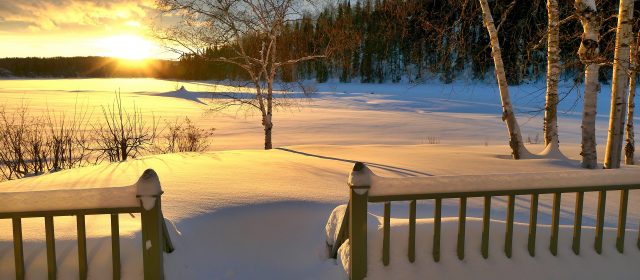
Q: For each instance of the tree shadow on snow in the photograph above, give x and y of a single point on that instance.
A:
(398, 170)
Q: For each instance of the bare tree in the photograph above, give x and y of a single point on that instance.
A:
(629, 148)
(508, 116)
(553, 75)
(234, 24)
(589, 52)
(620, 85)
(124, 134)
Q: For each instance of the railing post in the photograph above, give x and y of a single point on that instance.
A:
(359, 183)
(150, 192)
(18, 250)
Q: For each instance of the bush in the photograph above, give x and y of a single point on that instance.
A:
(184, 136)
(31, 145)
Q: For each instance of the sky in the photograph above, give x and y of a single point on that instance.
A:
(48, 28)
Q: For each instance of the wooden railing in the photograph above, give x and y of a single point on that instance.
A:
(365, 187)
(144, 197)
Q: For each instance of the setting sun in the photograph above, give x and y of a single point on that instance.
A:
(131, 47)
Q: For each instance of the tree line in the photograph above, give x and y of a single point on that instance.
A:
(86, 67)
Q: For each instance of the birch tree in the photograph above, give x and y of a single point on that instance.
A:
(232, 23)
(589, 52)
(553, 74)
(508, 116)
(629, 148)
(619, 85)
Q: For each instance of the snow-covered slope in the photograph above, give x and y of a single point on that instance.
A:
(248, 214)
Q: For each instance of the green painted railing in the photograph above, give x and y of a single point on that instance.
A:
(354, 224)
(155, 236)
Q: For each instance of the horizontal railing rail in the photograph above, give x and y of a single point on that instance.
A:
(367, 187)
(155, 236)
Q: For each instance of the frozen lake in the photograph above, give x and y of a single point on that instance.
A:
(342, 114)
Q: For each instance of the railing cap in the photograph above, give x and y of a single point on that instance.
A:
(360, 177)
(149, 188)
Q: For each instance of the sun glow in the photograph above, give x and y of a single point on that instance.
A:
(128, 47)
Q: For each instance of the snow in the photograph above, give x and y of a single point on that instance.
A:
(239, 212)
(465, 113)
(361, 178)
(591, 4)
(332, 228)
(381, 186)
(148, 189)
(566, 265)
(552, 151)
(68, 199)
(72, 197)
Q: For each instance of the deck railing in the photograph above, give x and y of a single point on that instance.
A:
(144, 197)
(366, 187)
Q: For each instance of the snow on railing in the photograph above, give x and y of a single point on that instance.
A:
(142, 197)
(367, 187)
(547, 182)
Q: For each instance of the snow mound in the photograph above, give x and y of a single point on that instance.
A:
(332, 228)
(183, 93)
(344, 256)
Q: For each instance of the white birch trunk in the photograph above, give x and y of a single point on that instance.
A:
(508, 116)
(553, 74)
(619, 86)
(268, 118)
(629, 148)
(588, 53)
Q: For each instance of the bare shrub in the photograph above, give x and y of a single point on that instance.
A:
(36, 144)
(184, 136)
(308, 87)
(33, 145)
(431, 140)
(13, 162)
(68, 139)
(123, 134)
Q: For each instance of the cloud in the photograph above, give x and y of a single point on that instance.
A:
(51, 15)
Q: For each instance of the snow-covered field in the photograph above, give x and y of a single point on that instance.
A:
(242, 213)
(339, 114)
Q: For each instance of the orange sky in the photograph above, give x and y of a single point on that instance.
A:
(78, 28)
